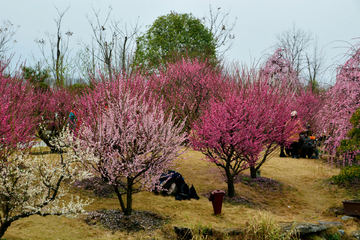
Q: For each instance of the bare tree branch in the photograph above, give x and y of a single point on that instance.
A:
(59, 61)
(113, 43)
(219, 26)
(7, 32)
(303, 52)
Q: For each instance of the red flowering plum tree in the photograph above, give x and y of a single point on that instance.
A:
(185, 88)
(17, 124)
(244, 130)
(54, 106)
(125, 140)
(342, 100)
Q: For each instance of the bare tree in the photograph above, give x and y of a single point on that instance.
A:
(296, 42)
(219, 25)
(303, 52)
(113, 43)
(315, 65)
(87, 61)
(7, 33)
(58, 62)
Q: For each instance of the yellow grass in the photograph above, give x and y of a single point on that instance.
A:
(305, 197)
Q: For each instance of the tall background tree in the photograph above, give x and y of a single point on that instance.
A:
(303, 53)
(7, 33)
(221, 28)
(174, 36)
(112, 47)
(7, 41)
(59, 62)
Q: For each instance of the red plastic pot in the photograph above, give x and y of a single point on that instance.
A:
(216, 197)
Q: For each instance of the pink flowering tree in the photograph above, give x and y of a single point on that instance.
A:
(245, 129)
(125, 140)
(308, 105)
(17, 124)
(342, 100)
(185, 88)
(278, 69)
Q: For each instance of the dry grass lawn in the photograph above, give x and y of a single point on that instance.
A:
(303, 196)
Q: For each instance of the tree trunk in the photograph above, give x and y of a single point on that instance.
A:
(282, 151)
(123, 55)
(122, 205)
(108, 63)
(42, 135)
(230, 181)
(231, 188)
(253, 171)
(129, 197)
(57, 64)
(4, 226)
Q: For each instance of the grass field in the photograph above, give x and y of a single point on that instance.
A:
(294, 190)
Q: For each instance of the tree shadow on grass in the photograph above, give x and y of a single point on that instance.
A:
(260, 183)
(269, 186)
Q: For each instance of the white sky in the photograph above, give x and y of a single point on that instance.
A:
(334, 22)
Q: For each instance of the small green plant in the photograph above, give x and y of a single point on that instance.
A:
(263, 226)
(246, 179)
(187, 217)
(200, 232)
(332, 236)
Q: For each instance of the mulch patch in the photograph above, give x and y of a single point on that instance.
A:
(115, 220)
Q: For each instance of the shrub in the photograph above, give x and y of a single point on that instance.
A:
(350, 147)
(347, 174)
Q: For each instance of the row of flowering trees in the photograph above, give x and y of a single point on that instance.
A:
(131, 130)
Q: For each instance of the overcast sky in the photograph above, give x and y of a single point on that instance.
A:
(334, 22)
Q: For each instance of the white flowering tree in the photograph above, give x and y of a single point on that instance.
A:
(32, 185)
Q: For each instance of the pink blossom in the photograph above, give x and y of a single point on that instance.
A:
(126, 139)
